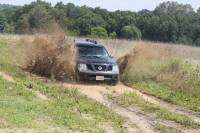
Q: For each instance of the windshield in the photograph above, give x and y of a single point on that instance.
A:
(91, 51)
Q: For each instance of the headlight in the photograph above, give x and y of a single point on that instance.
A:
(115, 69)
(82, 67)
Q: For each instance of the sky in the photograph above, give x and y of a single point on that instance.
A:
(112, 5)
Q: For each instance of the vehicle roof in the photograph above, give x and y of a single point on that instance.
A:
(87, 43)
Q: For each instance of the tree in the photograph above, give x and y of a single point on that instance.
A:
(196, 34)
(3, 22)
(173, 7)
(168, 29)
(197, 42)
(9, 28)
(39, 18)
(113, 35)
(169, 22)
(99, 32)
(131, 32)
(185, 40)
(198, 10)
(123, 18)
(87, 21)
(22, 25)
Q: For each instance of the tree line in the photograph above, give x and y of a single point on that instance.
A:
(168, 22)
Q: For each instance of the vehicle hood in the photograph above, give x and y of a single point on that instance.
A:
(95, 60)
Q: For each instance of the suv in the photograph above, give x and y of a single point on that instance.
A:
(93, 63)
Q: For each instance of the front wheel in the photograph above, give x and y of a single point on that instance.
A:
(77, 78)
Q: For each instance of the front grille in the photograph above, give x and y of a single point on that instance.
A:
(100, 67)
(110, 68)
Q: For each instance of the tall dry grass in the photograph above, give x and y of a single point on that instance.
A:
(172, 65)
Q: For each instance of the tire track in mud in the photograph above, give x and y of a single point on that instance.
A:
(143, 123)
(132, 118)
(134, 123)
(169, 106)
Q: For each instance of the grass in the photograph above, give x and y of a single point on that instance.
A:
(66, 108)
(133, 99)
(168, 94)
(164, 129)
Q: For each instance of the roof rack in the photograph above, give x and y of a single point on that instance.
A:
(92, 41)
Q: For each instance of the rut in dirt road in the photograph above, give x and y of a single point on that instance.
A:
(142, 122)
(171, 107)
(134, 123)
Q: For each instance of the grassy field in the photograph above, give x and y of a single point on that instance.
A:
(23, 107)
(169, 72)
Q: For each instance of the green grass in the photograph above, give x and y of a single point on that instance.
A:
(168, 94)
(165, 129)
(133, 99)
(21, 108)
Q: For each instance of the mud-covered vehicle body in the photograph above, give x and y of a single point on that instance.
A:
(93, 63)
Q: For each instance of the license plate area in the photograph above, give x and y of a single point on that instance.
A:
(100, 78)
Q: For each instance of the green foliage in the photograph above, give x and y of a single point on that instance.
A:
(113, 35)
(85, 22)
(9, 28)
(184, 40)
(3, 22)
(131, 32)
(22, 25)
(169, 22)
(197, 41)
(39, 18)
(99, 32)
(173, 7)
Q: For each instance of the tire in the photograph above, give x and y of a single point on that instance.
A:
(77, 78)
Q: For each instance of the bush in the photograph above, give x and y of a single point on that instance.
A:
(113, 35)
(197, 42)
(185, 40)
(131, 32)
(99, 32)
(9, 28)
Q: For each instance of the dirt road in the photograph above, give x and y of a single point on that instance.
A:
(136, 120)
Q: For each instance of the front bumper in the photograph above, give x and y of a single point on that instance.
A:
(91, 76)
